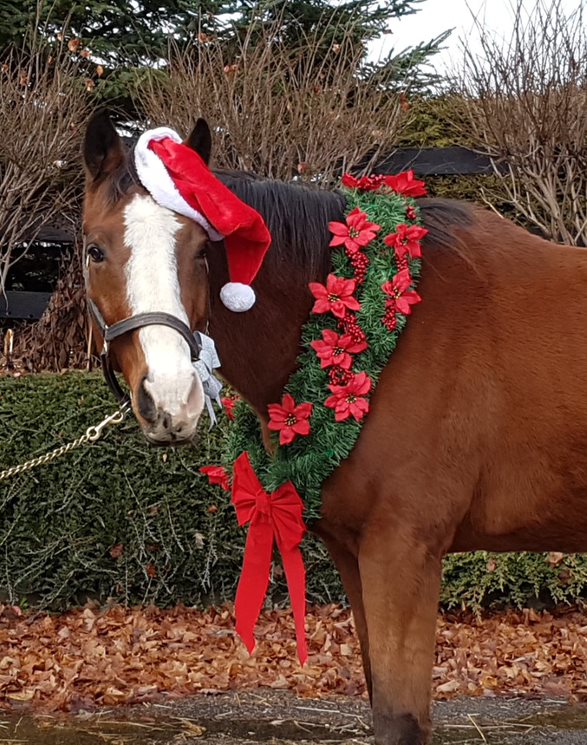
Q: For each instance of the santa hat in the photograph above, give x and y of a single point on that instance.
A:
(179, 179)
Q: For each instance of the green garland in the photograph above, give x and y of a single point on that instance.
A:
(309, 460)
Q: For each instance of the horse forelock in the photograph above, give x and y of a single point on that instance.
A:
(124, 180)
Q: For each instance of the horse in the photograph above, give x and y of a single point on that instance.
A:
(476, 438)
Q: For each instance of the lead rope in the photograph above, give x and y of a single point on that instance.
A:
(91, 435)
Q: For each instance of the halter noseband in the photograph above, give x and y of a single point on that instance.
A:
(141, 320)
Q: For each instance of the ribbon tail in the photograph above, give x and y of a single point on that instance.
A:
(295, 573)
(210, 410)
(253, 582)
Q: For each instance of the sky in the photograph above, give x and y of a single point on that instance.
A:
(436, 16)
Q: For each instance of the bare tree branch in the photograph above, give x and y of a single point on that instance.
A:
(281, 112)
(524, 103)
(43, 108)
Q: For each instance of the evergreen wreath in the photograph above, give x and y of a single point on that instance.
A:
(348, 339)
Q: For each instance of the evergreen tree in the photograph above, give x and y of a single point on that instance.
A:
(127, 35)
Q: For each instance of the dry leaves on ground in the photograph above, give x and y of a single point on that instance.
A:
(95, 657)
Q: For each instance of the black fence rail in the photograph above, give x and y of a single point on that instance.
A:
(436, 161)
(448, 161)
(21, 305)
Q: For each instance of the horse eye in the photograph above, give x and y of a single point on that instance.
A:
(95, 253)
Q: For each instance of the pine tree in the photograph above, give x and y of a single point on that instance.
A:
(128, 34)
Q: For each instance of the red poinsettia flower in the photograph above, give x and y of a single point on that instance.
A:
(399, 292)
(405, 183)
(228, 405)
(349, 400)
(336, 297)
(356, 234)
(364, 183)
(406, 240)
(216, 475)
(289, 420)
(334, 349)
(350, 181)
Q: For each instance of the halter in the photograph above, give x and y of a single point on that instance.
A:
(139, 321)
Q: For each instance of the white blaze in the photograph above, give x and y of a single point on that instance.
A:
(152, 283)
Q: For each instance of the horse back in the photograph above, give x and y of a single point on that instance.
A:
(477, 434)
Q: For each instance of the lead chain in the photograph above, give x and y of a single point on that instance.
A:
(92, 434)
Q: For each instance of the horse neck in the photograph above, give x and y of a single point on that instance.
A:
(258, 348)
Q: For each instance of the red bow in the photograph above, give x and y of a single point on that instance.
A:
(271, 516)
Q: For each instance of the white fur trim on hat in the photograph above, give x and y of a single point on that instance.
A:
(237, 296)
(157, 181)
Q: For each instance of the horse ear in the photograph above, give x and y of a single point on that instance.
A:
(200, 140)
(103, 149)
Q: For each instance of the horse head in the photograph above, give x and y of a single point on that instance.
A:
(147, 285)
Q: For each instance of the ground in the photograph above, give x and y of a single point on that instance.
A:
(267, 716)
(128, 676)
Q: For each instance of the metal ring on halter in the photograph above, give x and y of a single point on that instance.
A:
(141, 320)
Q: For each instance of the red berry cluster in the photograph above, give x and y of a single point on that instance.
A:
(350, 325)
(390, 319)
(360, 263)
(339, 376)
(402, 263)
(411, 213)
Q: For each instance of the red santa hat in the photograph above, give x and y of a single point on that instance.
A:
(179, 179)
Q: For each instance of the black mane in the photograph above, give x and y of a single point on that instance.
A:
(297, 216)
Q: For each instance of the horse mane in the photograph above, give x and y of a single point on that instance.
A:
(297, 215)
(294, 211)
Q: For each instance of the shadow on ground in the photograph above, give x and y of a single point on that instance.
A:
(267, 716)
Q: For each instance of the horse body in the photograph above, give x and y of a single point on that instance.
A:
(475, 439)
(477, 429)
(488, 383)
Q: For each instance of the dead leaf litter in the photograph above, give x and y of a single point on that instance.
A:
(95, 657)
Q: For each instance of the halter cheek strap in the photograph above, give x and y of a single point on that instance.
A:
(141, 320)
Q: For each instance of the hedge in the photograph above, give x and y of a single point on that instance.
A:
(120, 521)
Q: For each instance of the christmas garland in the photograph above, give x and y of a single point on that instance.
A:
(353, 328)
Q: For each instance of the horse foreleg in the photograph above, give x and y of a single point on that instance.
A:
(400, 579)
(348, 568)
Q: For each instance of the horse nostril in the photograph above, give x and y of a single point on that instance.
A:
(166, 422)
(146, 405)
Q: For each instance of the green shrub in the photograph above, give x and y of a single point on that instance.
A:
(120, 520)
(486, 580)
(117, 519)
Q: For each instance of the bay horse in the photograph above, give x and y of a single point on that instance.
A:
(478, 427)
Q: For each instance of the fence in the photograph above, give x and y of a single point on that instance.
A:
(449, 161)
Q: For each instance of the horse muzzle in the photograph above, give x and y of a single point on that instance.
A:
(170, 407)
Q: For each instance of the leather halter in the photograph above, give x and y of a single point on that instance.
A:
(139, 321)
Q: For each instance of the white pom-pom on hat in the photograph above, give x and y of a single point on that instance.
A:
(237, 297)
